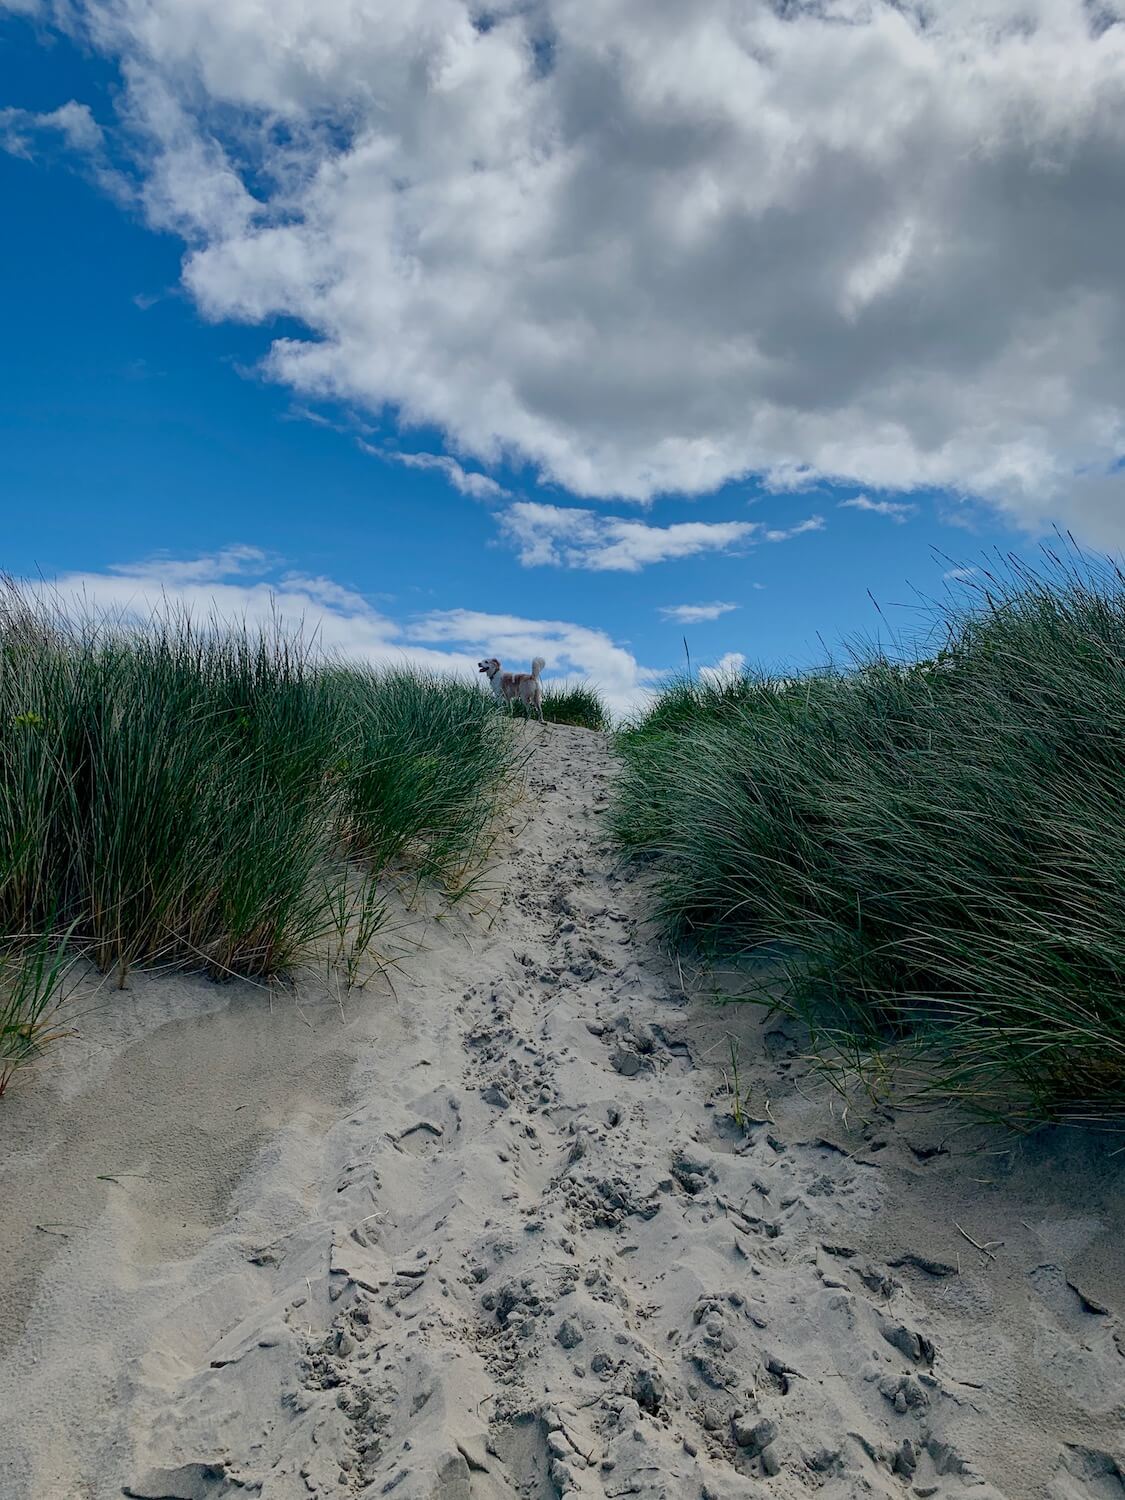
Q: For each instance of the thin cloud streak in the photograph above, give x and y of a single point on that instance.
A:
(894, 510)
(695, 614)
(569, 537)
(465, 481)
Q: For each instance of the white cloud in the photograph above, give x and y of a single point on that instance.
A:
(786, 533)
(73, 122)
(566, 536)
(246, 583)
(693, 614)
(894, 510)
(175, 573)
(465, 481)
(649, 246)
(733, 664)
(72, 125)
(76, 124)
(959, 575)
(568, 649)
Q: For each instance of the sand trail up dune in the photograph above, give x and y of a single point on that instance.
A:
(520, 1247)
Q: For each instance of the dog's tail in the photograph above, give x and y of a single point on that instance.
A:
(537, 666)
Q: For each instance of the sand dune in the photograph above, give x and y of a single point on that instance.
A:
(494, 1233)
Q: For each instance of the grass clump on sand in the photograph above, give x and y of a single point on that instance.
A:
(938, 847)
(32, 975)
(579, 704)
(200, 795)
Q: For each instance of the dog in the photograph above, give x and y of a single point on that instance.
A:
(512, 686)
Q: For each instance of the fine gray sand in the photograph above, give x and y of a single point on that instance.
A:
(494, 1233)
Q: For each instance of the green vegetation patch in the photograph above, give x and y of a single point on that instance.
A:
(577, 703)
(203, 795)
(938, 847)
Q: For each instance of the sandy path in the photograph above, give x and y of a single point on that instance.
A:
(523, 1249)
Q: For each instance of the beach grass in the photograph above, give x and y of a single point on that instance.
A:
(576, 703)
(33, 973)
(933, 848)
(192, 793)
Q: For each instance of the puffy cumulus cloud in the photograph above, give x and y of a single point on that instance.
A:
(235, 584)
(732, 664)
(244, 583)
(564, 536)
(567, 649)
(693, 614)
(650, 246)
(894, 510)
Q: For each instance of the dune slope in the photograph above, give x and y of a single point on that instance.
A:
(494, 1232)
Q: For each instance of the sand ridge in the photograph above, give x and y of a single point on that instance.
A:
(496, 1234)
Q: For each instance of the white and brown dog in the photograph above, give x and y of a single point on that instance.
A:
(512, 687)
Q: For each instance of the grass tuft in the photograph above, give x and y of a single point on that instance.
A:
(577, 703)
(936, 844)
(32, 979)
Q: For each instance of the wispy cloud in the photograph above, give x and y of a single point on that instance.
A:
(786, 533)
(960, 575)
(72, 123)
(894, 510)
(464, 481)
(210, 567)
(693, 614)
(24, 132)
(567, 537)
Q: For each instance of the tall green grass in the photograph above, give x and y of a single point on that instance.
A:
(938, 847)
(195, 794)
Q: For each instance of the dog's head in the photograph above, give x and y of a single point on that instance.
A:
(490, 665)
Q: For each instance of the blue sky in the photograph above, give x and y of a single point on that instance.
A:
(480, 454)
